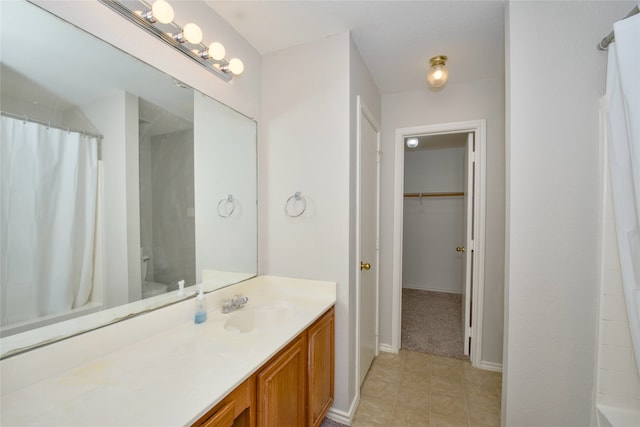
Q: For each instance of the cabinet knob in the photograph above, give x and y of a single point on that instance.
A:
(365, 266)
(460, 249)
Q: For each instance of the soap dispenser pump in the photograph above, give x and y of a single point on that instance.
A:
(201, 306)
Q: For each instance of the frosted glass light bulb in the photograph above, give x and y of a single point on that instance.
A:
(437, 75)
(162, 11)
(412, 142)
(236, 66)
(217, 51)
(192, 33)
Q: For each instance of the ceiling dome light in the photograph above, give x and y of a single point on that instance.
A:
(438, 74)
(162, 11)
(412, 142)
(236, 66)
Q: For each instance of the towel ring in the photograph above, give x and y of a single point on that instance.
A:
(291, 206)
(223, 206)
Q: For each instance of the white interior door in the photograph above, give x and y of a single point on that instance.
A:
(368, 271)
(467, 249)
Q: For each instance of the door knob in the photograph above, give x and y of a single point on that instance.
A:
(365, 266)
(460, 249)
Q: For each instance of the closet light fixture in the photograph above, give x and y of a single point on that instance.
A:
(157, 20)
(412, 142)
(438, 74)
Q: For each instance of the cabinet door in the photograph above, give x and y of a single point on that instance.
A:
(321, 367)
(281, 388)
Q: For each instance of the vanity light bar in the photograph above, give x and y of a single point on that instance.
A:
(219, 67)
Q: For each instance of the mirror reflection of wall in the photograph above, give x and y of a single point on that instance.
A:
(167, 223)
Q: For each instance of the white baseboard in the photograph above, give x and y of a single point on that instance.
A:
(387, 348)
(344, 417)
(490, 366)
(430, 289)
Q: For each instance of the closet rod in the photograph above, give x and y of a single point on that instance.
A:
(433, 194)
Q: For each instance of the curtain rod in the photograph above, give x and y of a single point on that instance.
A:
(605, 42)
(49, 125)
(421, 195)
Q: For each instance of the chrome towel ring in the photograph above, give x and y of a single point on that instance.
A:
(226, 206)
(291, 207)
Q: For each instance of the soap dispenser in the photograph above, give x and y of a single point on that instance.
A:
(201, 306)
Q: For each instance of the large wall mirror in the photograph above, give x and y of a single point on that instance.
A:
(117, 183)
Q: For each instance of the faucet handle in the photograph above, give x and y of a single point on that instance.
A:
(239, 298)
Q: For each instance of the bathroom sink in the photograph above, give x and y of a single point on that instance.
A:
(259, 317)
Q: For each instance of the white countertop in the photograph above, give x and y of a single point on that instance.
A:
(167, 378)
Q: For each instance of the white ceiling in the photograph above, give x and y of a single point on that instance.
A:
(396, 38)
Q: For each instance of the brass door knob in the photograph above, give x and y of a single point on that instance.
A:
(365, 266)
(460, 249)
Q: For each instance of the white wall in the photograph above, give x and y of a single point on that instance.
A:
(308, 144)
(552, 208)
(304, 146)
(433, 226)
(117, 117)
(483, 99)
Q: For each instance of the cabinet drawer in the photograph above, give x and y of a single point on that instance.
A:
(223, 418)
(231, 407)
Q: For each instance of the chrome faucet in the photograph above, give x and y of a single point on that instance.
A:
(233, 304)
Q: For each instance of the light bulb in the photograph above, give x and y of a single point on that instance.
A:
(162, 11)
(236, 66)
(438, 74)
(192, 33)
(412, 142)
(217, 51)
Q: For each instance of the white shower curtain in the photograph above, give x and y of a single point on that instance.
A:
(623, 127)
(47, 219)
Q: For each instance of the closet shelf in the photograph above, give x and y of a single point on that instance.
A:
(420, 195)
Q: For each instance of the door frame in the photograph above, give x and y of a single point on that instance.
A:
(364, 112)
(478, 127)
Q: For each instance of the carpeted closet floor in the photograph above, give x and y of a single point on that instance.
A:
(431, 323)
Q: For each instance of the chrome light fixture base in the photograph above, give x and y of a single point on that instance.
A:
(220, 68)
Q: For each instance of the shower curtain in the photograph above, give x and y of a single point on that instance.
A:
(622, 103)
(47, 219)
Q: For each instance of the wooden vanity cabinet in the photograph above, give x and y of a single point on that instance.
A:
(293, 389)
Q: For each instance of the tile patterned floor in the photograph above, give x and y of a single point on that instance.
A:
(416, 389)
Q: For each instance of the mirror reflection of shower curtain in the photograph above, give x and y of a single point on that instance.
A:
(623, 128)
(49, 181)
